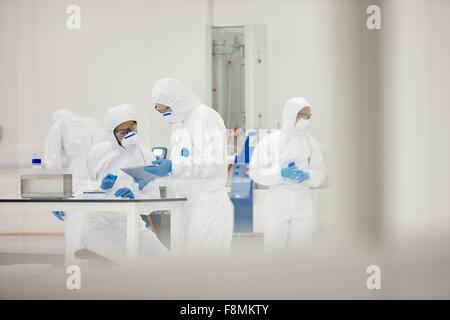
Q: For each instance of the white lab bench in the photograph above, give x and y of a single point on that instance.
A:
(132, 207)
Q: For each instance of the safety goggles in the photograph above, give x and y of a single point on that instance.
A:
(123, 132)
(165, 110)
(305, 116)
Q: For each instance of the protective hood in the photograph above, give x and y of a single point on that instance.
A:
(116, 116)
(290, 111)
(176, 95)
(62, 114)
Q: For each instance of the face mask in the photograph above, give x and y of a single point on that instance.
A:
(169, 117)
(302, 124)
(130, 140)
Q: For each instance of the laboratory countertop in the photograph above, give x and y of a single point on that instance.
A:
(94, 200)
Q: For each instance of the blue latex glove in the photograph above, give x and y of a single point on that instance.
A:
(160, 168)
(289, 173)
(302, 176)
(124, 193)
(59, 214)
(108, 181)
(295, 174)
(142, 183)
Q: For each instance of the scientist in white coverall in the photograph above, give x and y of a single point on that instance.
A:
(290, 162)
(197, 167)
(68, 141)
(104, 233)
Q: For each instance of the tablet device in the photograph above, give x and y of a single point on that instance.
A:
(138, 173)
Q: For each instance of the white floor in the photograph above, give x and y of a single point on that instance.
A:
(32, 267)
(50, 249)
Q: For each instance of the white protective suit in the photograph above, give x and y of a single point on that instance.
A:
(199, 174)
(288, 209)
(69, 139)
(105, 232)
(68, 142)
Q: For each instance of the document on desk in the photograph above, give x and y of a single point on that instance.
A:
(93, 194)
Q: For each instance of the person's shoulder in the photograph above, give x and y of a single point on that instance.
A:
(206, 115)
(268, 138)
(202, 111)
(99, 148)
(72, 121)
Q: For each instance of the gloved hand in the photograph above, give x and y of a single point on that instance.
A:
(295, 174)
(302, 176)
(142, 183)
(59, 214)
(161, 167)
(108, 181)
(124, 193)
(289, 173)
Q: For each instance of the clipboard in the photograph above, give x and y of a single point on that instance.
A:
(138, 173)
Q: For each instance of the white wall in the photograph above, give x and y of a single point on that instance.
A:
(123, 47)
(9, 81)
(416, 131)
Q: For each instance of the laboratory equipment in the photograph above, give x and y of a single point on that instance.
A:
(36, 161)
(160, 152)
(242, 188)
(237, 74)
(45, 183)
(161, 168)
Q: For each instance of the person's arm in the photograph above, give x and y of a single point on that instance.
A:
(318, 169)
(203, 155)
(89, 182)
(53, 153)
(264, 164)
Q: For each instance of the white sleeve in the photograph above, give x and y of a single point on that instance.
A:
(318, 170)
(53, 153)
(207, 153)
(89, 179)
(91, 164)
(264, 165)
